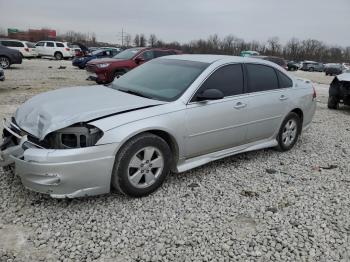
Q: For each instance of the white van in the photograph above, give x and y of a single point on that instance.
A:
(58, 50)
(26, 48)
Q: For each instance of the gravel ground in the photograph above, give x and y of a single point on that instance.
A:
(257, 206)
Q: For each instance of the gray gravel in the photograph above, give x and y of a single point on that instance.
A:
(257, 206)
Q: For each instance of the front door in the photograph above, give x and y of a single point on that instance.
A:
(218, 124)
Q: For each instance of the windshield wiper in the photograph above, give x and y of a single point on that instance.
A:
(134, 93)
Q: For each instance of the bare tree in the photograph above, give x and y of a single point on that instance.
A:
(143, 40)
(152, 40)
(137, 40)
(273, 45)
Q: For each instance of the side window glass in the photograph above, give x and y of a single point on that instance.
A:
(49, 44)
(261, 78)
(59, 45)
(284, 80)
(228, 79)
(148, 55)
(40, 44)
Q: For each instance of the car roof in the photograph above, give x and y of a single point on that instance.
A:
(214, 58)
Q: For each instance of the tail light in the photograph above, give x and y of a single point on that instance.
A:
(67, 49)
(26, 49)
(314, 94)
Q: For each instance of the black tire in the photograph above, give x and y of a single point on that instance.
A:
(118, 74)
(333, 102)
(311, 69)
(121, 171)
(58, 56)
(5, 62)
(282, 145)
(81, 67)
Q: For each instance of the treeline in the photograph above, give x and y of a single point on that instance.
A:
(294, 49)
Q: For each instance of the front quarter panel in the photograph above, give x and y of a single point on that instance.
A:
(169, 118)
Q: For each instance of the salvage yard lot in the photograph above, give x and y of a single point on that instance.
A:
(256, 206)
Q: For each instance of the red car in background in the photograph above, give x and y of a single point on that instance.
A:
(103, 71)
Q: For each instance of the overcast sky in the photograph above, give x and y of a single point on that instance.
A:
(185, 20)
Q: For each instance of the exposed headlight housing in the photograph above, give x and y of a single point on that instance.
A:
(103, 65)
(76, 136)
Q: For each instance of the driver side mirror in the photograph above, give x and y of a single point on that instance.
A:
(210, 94)
(139, 60)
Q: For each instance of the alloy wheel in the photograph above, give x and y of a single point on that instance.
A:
(289, 133)
(4, 62)
(145, 167)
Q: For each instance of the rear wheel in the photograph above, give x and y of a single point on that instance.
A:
(4, 62)
(289, 132)
(58, 56)
(311, 69)
(141, 165)
(333, 102)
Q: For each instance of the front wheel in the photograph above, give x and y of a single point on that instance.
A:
(141, 165)
(289, 132)
(4, 62)
(333, 102)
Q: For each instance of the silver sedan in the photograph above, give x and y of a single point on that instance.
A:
(173, 113)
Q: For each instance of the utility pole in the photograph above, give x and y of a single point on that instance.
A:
(121, 36)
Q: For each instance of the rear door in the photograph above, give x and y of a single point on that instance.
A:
(268, 101)
(49, 49)
(218, 124)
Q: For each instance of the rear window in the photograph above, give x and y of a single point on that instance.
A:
(284, 80)
(12, 43)
(261, 78)
(59, 45)
(30, 44)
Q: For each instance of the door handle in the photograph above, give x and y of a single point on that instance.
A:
(283, 97)
(240, 105)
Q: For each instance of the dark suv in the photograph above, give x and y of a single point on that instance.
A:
(339, 91)
(312, 66)
(104, 70)
(277, 60)
(333, 69)
(9, 56)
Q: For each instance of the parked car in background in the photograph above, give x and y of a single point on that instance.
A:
(101, 53)
(312, 66)
(58, 50)
(249, 53)
(277, 60)
(104, 70)
(174, 113)
(2, 74)
(333, 69)
(293, 66)
(26, 48)
(339, 91)
(9, 56)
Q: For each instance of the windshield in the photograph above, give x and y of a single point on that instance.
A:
(161, 79)
(30, 44)
(127, 54)
(97, 52)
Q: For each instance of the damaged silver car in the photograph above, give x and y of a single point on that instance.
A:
(171, 114)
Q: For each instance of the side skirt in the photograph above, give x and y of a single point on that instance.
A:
(204, 159)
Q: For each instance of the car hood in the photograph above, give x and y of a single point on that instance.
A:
(107, 60)
(61, 108)
(343, 77)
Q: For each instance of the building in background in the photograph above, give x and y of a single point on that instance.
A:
(32, 35)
